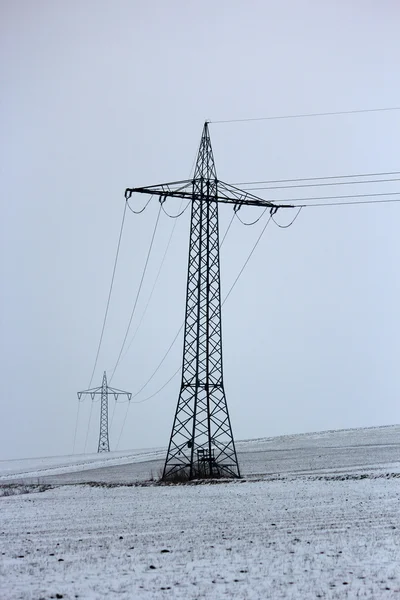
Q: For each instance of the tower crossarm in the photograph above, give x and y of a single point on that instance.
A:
(188, 189)
(92, 391)
(117, 391)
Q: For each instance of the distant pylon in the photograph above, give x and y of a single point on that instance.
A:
(104, 390)
(201, 443)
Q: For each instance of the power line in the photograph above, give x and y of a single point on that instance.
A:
(76, 427)
(153, 288)
(227, 231)
(109, 296)
(145, 400)
(147, 382)
(306, 115)
(246, 261)
(160, 389)
(179, 213)
(138, 212)
(137, 295)
(387, 201)
(113, 413)
(163, 359)
(151, 293)
(308, 185)
(384, 174)
(311, 198)
(88, 427)
(160, 363)
(177, 334)
(123, 425)
(235, 214)
(163, 258)
(225, 299)
(289, 224)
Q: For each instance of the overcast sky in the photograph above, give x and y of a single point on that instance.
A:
(100, 95)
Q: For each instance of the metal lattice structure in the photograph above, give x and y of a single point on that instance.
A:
(201, 443)
(104, 390)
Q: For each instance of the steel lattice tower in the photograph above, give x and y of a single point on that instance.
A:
(104, 443)
(103, 391)
(201, 443)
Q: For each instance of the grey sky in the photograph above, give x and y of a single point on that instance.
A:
(98, 96)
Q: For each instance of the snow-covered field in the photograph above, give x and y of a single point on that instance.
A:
(301, 524)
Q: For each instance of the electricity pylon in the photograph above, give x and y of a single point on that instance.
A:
(104, 390)
(201, 443)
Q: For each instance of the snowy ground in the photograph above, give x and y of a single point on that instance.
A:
(346, 451)
(37, 468)
(320, 529)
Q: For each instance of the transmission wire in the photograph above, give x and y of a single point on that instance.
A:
(233, 285)
(246, 261)
(138, 293)
(138, 212)
(102, 331)
(252, 222)
(304, 115)
(109, 296)
(176, 336)
(350, 203)
(308, 185)
(76, 427)
(179, 214)
(112, 416)
(163, 258)
(180, 329)
(160, 389)
(235, 282)
(88, 427)
(231, 288)
(289, 224)
(340, 197)
(227, 231)
(319, 178)
(152, 289)
(163, 359)
(162, 262)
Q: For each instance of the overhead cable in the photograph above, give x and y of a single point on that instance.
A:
(88, 427)
(384, 174)
(246, 261)
(137, 294)
(76, 427)
(176, 336)
(152, 289)
(341, 197)
(307, 115)
(138, 212)
(109, 295)
(227, 231)
(349, 203)
(235, 214)
(249, 256)
(177, 215)
(161, 362)
(225, 299)
(324, 184)
(289, 224)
